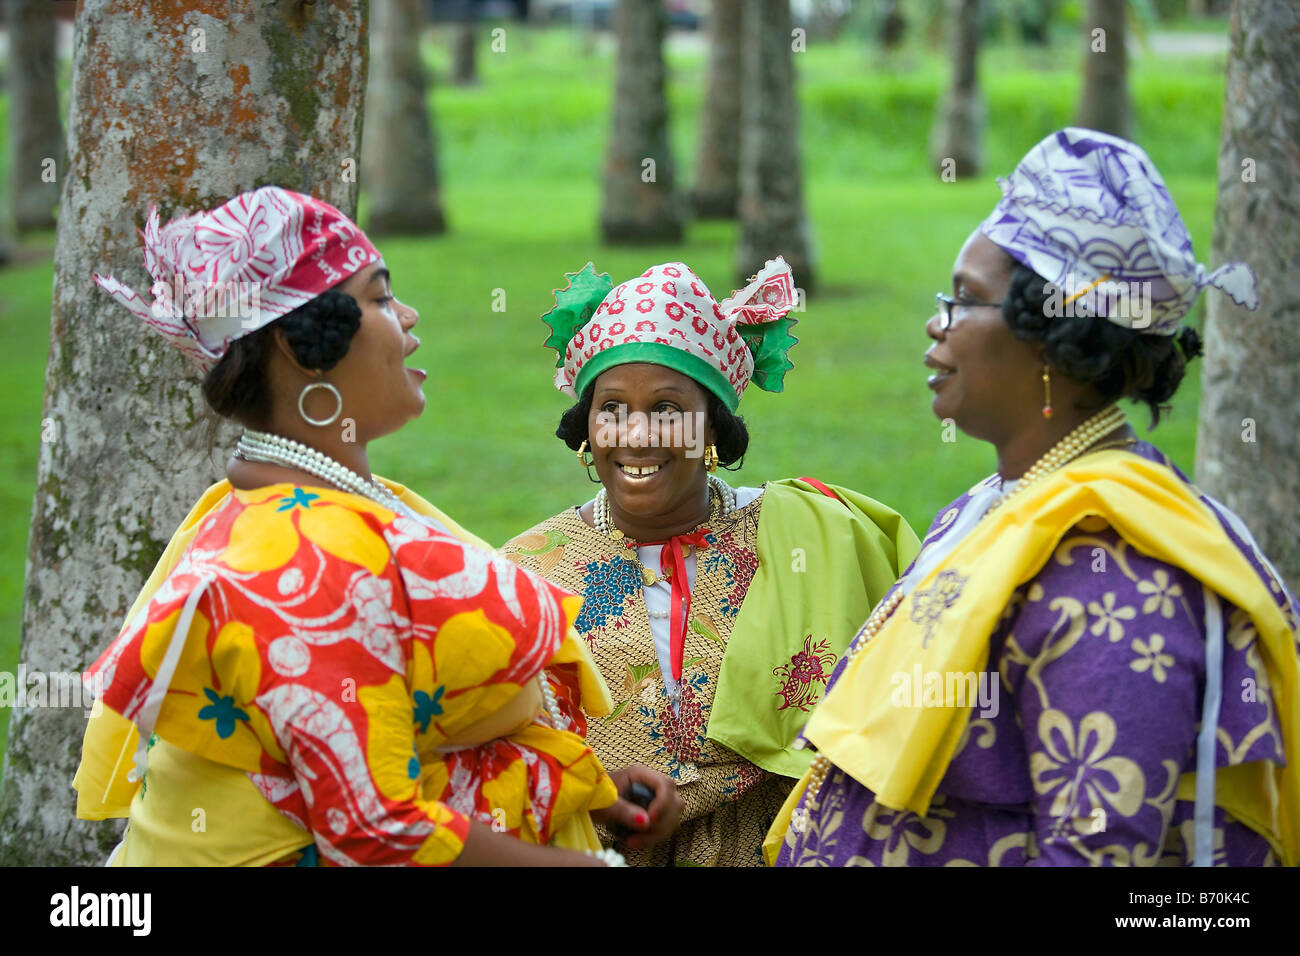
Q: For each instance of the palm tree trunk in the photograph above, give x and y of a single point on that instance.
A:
(641, 203)
(464, 62)
(956, 147)
(1105, 103)
(717, 169)
(772, 218)
(281, 95)
(38, 161)
(399, 159)
(1247, 449)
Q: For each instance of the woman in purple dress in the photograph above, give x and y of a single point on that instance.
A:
(1090, 662)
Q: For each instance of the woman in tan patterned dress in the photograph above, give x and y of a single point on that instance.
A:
(715, 632)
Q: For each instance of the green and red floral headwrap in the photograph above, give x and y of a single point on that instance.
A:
(667, 316)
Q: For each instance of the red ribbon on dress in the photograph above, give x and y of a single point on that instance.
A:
(672, 566)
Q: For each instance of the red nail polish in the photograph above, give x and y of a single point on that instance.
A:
(641, 819)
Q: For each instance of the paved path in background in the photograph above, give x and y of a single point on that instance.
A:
(1186, 44)
(686, 41)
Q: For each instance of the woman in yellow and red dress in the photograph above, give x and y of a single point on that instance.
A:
(323, 667)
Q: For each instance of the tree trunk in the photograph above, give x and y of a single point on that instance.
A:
(772, 219)
(399, 159)
(1248, 450)
(278, 88)
(641, 203)
(717, 171)
(464, 65)
(892, 25)
(1105, 103)
(38, 161)
(957, 145)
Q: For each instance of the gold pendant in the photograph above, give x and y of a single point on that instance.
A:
(647, 576)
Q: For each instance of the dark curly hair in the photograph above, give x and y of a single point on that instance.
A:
(1117, 362)
(732, 435)
(319, 333)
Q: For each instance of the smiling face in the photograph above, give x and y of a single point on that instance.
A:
(652, 469)
(380, 393)
(984, 378)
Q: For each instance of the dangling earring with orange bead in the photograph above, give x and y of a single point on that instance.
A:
(1047, 394)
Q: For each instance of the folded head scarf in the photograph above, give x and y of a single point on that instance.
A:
(1090, 214)
(667, 316)
(222, 274)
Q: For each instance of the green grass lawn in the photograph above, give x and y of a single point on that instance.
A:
(520, 156)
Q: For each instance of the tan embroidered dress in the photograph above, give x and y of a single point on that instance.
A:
(729, 802)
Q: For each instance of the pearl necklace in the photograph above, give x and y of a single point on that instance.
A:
(1068, 448)
(552, 705)
(722, 502)
(278, 450)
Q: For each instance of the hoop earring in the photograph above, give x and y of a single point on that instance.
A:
(582, 460)
(1047, 394)
(320, 422)
(711, 458)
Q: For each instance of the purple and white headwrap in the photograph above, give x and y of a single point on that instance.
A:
(1089, 213)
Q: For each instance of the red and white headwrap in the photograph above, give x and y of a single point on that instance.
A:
(222, 274)
(667, 316)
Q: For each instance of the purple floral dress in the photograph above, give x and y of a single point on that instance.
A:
(1100, 675)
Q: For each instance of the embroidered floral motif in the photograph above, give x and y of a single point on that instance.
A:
(547, 548)
(737, 562)
(605, 586)
(805, 676)
(928, 605)
(680, 735)
(745, 778)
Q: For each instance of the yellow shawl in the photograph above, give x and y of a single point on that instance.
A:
(901, 754)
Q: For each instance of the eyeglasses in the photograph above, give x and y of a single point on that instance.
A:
(946, 303)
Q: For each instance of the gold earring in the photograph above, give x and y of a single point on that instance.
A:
(711, 458)
(582, 460)
(1047, 394)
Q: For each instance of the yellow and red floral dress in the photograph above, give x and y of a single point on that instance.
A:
(334, 653)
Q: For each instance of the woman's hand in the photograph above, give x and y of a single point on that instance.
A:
(648, 826)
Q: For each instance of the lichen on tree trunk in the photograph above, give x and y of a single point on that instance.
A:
(182, 104)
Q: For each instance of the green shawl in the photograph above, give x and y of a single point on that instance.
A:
(823, 564)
